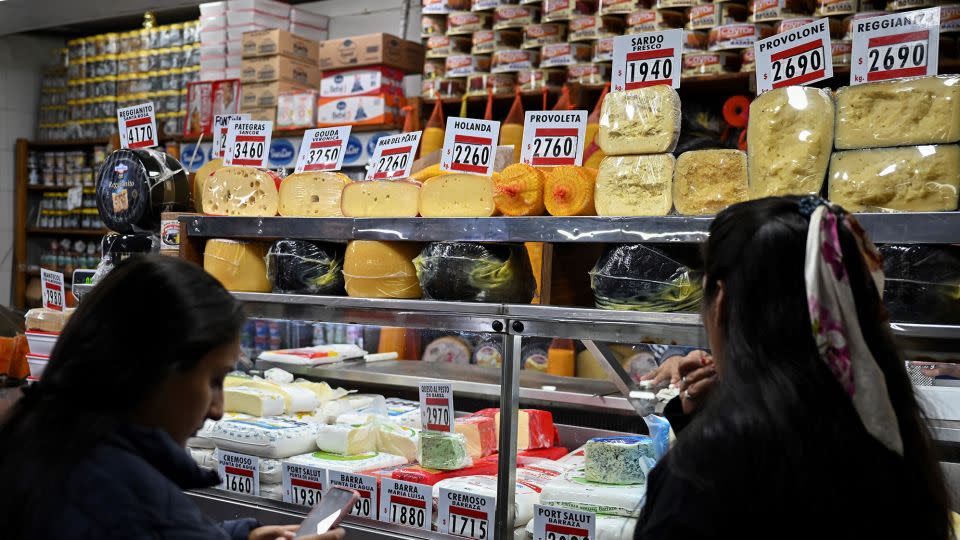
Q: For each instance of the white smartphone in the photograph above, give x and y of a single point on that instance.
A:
(334, 506)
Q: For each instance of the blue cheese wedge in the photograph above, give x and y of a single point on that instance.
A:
(619, 460)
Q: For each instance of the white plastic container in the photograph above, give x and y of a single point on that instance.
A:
(41, 343)
(213, 9)
(214, 35)
(37, 365)
(236, 31)
(271, 7)
(309, 32)
(260, 18)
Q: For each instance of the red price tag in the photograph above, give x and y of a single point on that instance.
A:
(436, 406)
(52, 289)
(221, 123)
(555, 523)
(138, 126)
(470, 146)
(894, 46)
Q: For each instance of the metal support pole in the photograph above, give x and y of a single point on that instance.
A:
(507, 462)
(404, 18)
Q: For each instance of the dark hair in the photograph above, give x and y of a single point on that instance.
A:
(151, 316)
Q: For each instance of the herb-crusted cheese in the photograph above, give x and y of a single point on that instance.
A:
(443, 451)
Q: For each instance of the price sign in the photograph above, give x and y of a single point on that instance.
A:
(138, 126)
(366, 486)
(323, 149)
(647, 59)
(52, 289)
(470, 146)
(393, 156)
(554, 523)
(800, 56)
(466, 514)
(436, 406)
(248, 143)
(553, 138)
(893, 46)
(240, 473)
(221, 123)
(303, 484)
(406, 504)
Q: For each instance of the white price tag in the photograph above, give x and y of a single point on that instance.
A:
(406, 504)
(303, 484)
(436, 406)
(555, 523)
(800, 56)
(393, 156)
(248, 143)
(323, 149)
(894, 46)
(553, 138)
(466, 514)
(138, 126)
(74, 197)
(52, 289)
(240, 473)
(647, 59)
(220, 124)
(470, 146)
(366, 486)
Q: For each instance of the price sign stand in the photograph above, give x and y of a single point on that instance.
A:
(303, 484)
(240, 473)
(894, 46)
(221, 123)
(138, 126)
(248, 143)
(467, 515)
(800, 56)
(323, 149)
(366, 506)
(555, 523)
(393, 156)
(647, 59)
(552, 138)
(52, 289)
(406, 504)
(436, 406)
(470, 146)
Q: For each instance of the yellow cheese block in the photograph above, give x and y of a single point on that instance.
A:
(397, 440)
(241, 191)
(312, 194)
(237, 265)
(519, 190)
(707, 181)
(381, 198)
(640, 121)
(909, 178)
(457, 195)
(253, 401)
(374, 269)
(296, 399)
(200, 179)
(569, 191)
(635, 185)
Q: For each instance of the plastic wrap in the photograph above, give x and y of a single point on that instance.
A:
(923, 110)
(241, 191)
(443, 451)
(574, 491)
(523, 501)
(569, 191)
(640, 277)
(789, 138)
(470, 272)
(635, 185)
(347, 439)
(707, 181)
(640, 121)
(399, 440)
(312, 194)
(271, 470)
(357, 463)
(421, 475)
(373, 269)
(481, 435)
(47, 320)
(265, 437)
(295, 398)
(619, 460)
(237, 265)
(305, 267)
(922, 283)
(457, 195)
(253, 401)
(606, 527)
(135, 186)
(381, 198)
(200, 179)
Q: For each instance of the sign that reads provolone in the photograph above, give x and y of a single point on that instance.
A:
(248, 143)
(138, 126)
(436, 406)
(466, 514)
(894, 46)
(647, 59)
(303, 484)
(240, 473)
(323, 149)
(553, 138)
(366, 486)
(220, 124)
(555, 523)
(393, 156)
(470, 146)
(800, 56)
(51, 285)
(406, 504)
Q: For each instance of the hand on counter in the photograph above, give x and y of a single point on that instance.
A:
(698, 373)
(669, 370)
(285, 532)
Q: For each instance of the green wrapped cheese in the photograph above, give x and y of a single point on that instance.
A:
(443, 451)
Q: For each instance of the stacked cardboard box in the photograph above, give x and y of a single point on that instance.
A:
(275, 62)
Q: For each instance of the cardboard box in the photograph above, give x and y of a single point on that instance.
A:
(205, 99)
(279, 42)
(262, 113)
(279, 68)
(372, 49)
(254, 95)
(361, 81)
(379, 110)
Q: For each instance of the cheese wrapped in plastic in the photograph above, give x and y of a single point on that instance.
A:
(707, 181)
(312, 194)
(253, 401)
(296, 399)
(457, 195)
(322, 390)
(201, 439)
(443, 451)
(399, 440)
(265, 437)
(381, 198)
(569, 191)
(641, 121)
(238, 265)
(271, 470)
(619, 460)
(789, 138)
(347, 439)
(523, 501)
(909, 178)
(373, 269)
(200, 180)
(924, 110)
(639, 277)
(471, 272)
(635, 185)
(574, 491)
(356, 463)
(606, 527)
(421, 475)
(305, 267)
(518, 190)
(480, 433)
(47, 320)
(241, 191)
(534, 428)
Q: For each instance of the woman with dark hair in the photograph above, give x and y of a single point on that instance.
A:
(806, 424)
(96, 448)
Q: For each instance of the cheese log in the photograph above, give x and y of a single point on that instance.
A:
(480, 433)
(398, 440)
(909, 178)
(569, 191)
(241, 191)
(457, 195)
(200, 179)
(707, 181)
(519, 190)
(619, 460)
(346, 439)
(312, 194)
(789, 137)
(380, 198)
(252, 401)
(640, 121)
(237, 265)
(374, 269)
(635, 185)
(924, 110)
(443, 451)
(534, 429)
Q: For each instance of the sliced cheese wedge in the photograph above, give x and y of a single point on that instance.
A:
(380, 198)
(312, 194)
(458, 195)
(241, 191)
(348, 440)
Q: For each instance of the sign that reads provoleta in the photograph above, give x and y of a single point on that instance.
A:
(553, 138)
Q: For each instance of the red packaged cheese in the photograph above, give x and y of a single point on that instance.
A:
(423, 475)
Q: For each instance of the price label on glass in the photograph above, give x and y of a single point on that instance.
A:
(894, 46)
(553, 138)
(366, 486)
(470, 146)
(323, 149)
(221, 123)
(393, 156)
(240, 473)
(466, 514)
(303, 484)
(797, 57)
(406, 504)
(138, 126)
(555, 523)
(248, 143)
(51, 284)
(647, 59)
(436, 406)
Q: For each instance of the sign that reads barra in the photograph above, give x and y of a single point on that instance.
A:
(553, 138)
(800, 56)
(647, 59)
(406, 504)
(894, 46)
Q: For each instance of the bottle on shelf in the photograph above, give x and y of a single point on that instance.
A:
(561, 357)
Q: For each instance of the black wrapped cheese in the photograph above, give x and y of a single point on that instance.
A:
(641, 277)
(922, 283)
(305, 267)
(135, 186)
(469, 272)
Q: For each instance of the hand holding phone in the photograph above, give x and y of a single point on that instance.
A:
(334, 506)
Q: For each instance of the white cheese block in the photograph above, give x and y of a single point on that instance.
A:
(619, 460)
(253, 401)
(201, 439)
(356, 463)
(355, 403)
(640, 121)
(271, 491)
(322, 390)
(524, 497)
(707, 181)
(347, 439)
(203, 457)
(312, 194)
(573, 490)
(296, 398)
(399, 440)
(606, 527)
(241, 191)
(635, 185)
(265, 437)
(278, 376)
(536, 473)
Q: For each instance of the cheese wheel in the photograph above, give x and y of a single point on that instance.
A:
(635, 185)
(380, 198)
(373, 269)
(312, 194)
(707, 181)
(568, 191)
(241, 191)
(237, 265)
(200, 179)
(457, 195)
(519, 190)
(640, 121)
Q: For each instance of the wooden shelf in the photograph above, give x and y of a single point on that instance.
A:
(53, 188)
(69, 232)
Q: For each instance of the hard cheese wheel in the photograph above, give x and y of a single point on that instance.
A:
(200, 179)
(381, 198)
(457, 195)
(237, 265)
(135, 186)
(241, 191)
(373, 269)
(312, 194)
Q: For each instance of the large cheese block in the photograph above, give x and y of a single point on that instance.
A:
(399, 440)
(421, 475)
(296, 399)
(443, 451)
(707, 181)
(356, 463)
(252, 401)
(241, 191)
(909, 178)
(523, 500)
(201, 439)
(574, 491)
(347, 439)
(200, 180)
(265, 437)
(380, 198)
(373, 269)
(312, 194)
(480, 433)
(924, 110)
(789, 137)
(619, 460)
(640, 121)
(635, 185)
(534, 428)
(237, 265)
(457, 195)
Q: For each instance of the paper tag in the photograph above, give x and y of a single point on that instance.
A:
(323, 149)
(436, 406)
(553, 138)
(466, 514)
(800, 56)
(470, 146)
(555, 523)
(240, 473)
(894, 46)
(248, 143)
(74, 197)
(303, 484)
(220, 124)
(647, 59)
(366, 505)
(393, 156)
(52, 289)
(406, 504)
(138, 126)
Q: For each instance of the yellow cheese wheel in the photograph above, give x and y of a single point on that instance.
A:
(237, 265)
(519, 190)
(380, 198)
(568, 191)
(457, 195)
(312, 194)
(200, 178)
(373, 269)
(241, 191)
